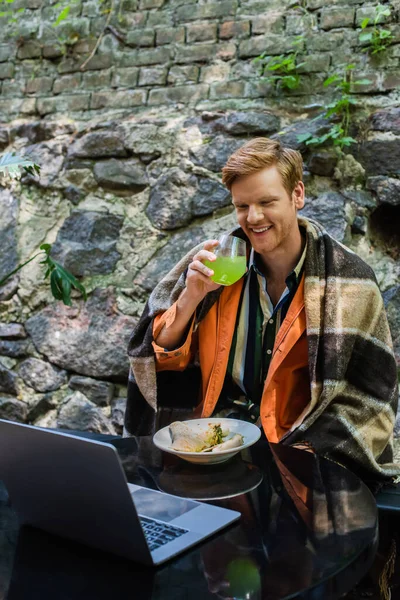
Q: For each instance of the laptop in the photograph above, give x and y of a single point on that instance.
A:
(76, 488)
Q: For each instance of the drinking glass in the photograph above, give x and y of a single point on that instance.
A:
(230, 264)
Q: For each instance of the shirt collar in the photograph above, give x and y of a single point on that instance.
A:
(295, 274)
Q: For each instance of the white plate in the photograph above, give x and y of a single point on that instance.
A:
(250, 433)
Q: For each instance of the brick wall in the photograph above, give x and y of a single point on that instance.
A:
(197, 53)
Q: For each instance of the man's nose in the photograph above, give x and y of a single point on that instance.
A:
(254, 214)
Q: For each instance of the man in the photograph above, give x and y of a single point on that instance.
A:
(300, 344)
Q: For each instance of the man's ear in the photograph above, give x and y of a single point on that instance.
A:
(298, 195)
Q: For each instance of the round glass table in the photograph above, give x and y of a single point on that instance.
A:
(308, 529)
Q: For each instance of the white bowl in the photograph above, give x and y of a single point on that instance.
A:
(251, 433)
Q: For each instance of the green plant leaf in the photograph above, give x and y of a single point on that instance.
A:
(315, 141)
(56, 285)
(383, 11)
(66, 275)
(291, 82)
(62, 16)
(364, 23)
(61, 280)
(336, 132)
(365, 37)
(11, 165)
(385, 34)
(347, 141)
(303, 137)
(331, 79)
(46, 248)
(274, 67)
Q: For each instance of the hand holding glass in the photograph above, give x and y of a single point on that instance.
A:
(230, 264)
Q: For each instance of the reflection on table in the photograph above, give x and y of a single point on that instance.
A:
(308, 530)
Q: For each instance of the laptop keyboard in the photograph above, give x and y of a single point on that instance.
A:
(157, 534)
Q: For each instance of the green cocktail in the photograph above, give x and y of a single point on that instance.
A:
(227, 269)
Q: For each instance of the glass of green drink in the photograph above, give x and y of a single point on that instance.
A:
(230, 264)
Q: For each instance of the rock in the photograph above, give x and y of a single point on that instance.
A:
(396, 435)
(121, 175)
(13, 409)
(7, 362)
(40, 131)
(89, 339)
(209, 196)
(384, 227)
(323, 162)
(289, 136)
(212, 155)
(79, 414)
(391, 299)
(360, 197)
(8, 381)
(389, 294)
(118, 414)
(4, 138)
(242, 123)
(16, 349)
(8, 240)
(167, 257)
(380, 157)
(41, 408)
(328, 209)
(178, 197)
(78, 164)
(149, 139)
(86, 243)
(41, 375)
(387, 189)
(99, 392)
(73, 194)
(12, 331)
(50, 156)
(349, 172)
(170, 205)
(98, 144)
(359, 225)
(49, 420)
(387, 119)
(9, 289)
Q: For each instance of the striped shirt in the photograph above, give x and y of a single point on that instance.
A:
(258, 322)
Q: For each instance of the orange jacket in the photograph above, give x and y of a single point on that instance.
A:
(287, 387)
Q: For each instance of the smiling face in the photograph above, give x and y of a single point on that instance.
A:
(266, 212)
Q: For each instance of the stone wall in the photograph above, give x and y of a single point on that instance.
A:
(192, 52)
(131, 148)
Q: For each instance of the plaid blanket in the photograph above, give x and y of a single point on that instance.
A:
(353, 372)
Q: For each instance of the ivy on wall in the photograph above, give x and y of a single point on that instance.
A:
(339, 109)
(286, 76)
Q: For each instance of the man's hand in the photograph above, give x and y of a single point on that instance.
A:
(198, 284)
(198, 278)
